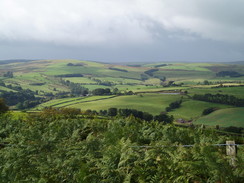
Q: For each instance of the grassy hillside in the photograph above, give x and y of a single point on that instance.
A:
(47, 78)
(224, 118)
(152, 103)
(27, 73)
(192, 109)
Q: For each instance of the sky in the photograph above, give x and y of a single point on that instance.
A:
(123, 30)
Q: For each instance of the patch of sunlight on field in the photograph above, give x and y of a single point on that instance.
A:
(152, 103)
(192, 109)
(224, 118)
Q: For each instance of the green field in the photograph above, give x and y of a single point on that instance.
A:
(41, 71)
(224, 118)
(192, 109)
(67, 102)
(41, 77)
(153, 103)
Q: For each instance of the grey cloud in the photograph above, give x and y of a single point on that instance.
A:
(123, 30)
(74, 22)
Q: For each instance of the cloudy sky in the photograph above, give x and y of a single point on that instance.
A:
(122, 30)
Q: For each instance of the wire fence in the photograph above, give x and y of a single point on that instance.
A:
(191, 145)
(145, 146)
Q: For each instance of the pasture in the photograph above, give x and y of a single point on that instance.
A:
(41, 76)
(152, 103)
(192, 109)
(224, 118)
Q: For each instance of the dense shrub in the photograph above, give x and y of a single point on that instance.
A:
(3, 107)
(150, 72)
(173, 105)
(115, 150)
(209, 110)
(228, 73)
(220, 98)
(117, 69)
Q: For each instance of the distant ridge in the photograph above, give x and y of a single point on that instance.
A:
(14, 61)
(235, 62)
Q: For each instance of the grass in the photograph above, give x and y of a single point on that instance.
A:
(224, 118)
(42, 71)
(192, 109)
(152, 103)
(67, 102)
(154, 81)
(56, 102)
(82, 80)
(119, 80)
(2, 88)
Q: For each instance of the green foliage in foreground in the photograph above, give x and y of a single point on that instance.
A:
(74, 149)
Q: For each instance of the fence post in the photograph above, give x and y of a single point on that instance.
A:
(231, 151)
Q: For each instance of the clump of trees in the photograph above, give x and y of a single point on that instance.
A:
(76, 88)
(23, 98)
(101, 91)
(117, 69)
(37, 84)
(13, 87)
(161, 65)
(151, 71)
(2, 83)
(228, 73)
(69, 75)
(209, 110)
(220, 98)
(173, 105)
(8, 74)
(144, 77)
(3, 107)
(162, 117)
(162, 78)
(76, 64)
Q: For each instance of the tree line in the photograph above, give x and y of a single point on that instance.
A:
(228, 73)
(163, 117)
(220, 98)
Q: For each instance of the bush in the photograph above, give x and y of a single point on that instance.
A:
(164, 117)
(112, 111)
(3, 107)
(209, 110)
